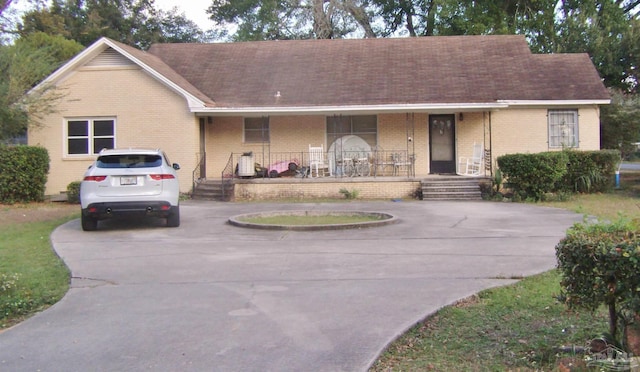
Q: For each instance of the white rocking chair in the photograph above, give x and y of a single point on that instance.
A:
(317, 161)
(472, 165)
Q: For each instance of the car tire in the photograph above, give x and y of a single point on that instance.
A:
(173, 220)
(88, 223)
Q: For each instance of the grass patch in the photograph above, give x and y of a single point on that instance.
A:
(518, 327)
(622, 202)
(32, 276)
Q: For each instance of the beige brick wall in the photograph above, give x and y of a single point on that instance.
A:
(296, 133)
(470, 130)
(507, 131)
(394, 130)
(525, 130)
(147, 113)
(324, 188)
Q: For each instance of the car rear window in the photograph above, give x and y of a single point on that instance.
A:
(129, 161)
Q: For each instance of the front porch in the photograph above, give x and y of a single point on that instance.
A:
(435, 187)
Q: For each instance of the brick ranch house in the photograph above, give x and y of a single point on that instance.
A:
(412, 107)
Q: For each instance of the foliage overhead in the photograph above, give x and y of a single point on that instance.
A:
(133, 22)
(22, 65)
(620, 123)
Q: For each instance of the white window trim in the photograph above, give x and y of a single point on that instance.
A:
(90, 137)
(576, 136)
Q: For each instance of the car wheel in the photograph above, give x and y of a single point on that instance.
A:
(173, 220)
(88, 223)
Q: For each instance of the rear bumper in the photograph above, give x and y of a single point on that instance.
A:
(103, 211)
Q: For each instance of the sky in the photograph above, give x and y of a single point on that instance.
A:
(193, 10)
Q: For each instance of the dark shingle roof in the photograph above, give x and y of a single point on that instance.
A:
(159, 66)
(369, 72)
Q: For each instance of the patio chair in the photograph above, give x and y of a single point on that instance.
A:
(317, 161)
(401, 164)
(381, 160)
(472, 165)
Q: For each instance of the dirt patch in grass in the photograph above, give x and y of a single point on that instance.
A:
(35, 212)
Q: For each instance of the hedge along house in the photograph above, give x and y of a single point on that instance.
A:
(412, 107)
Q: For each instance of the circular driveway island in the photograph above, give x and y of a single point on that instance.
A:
(210, 296)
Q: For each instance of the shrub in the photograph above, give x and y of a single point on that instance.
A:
(600, 265)
(353, 194)
(73, 192)
(590, 171)
(23, 173)
(533, 175)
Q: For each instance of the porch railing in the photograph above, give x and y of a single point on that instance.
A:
(226, 176)
(398, 163)
(196, 175)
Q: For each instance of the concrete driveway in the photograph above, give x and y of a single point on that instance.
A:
(210, 296)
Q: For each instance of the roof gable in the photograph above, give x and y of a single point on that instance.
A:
(109, 58)
(108, 53)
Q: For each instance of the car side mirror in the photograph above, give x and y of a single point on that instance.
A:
(176, 166)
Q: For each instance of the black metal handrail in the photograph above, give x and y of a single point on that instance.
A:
(373, 163)
(226, 176)
(196, 174)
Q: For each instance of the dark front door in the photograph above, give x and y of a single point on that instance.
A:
(442, 150)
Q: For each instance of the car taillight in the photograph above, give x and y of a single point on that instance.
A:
(95, 178)
(159, 177)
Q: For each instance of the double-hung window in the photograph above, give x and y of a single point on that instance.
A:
(87, 136)
(256, 130)
(563, 128)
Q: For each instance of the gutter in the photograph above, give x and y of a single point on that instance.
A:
(347, 110)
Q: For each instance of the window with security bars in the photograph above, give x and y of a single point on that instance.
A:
(256, 130)
(89, 136)
(563, 128)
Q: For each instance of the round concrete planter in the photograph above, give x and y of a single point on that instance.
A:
(382, 220)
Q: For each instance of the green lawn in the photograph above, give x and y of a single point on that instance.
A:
(518, 327)
(32, 277)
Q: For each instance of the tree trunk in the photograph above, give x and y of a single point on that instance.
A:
(321, 24)
(613, 321)
(359, 14)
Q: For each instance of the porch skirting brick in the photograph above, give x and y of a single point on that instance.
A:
(329, 187)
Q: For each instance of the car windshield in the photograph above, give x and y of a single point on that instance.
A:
(129, 161)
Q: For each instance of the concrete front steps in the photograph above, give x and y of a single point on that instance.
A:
(452, 188)
(213, 190)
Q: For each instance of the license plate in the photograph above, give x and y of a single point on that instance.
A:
(124, 181)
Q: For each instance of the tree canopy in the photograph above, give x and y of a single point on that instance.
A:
(22, 65)
(133, 22)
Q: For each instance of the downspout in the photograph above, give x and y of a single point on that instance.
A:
(490, 147)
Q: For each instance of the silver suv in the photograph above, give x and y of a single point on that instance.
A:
(133, 182)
